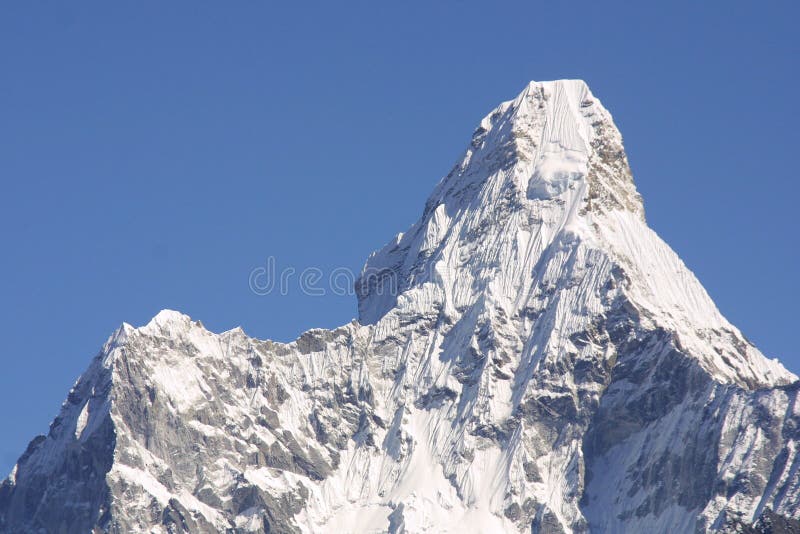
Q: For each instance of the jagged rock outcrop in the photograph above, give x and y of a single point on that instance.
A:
(529, 357)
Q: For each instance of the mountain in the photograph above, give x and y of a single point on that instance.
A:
(529, 357)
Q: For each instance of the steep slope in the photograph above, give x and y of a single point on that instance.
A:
(529, 356)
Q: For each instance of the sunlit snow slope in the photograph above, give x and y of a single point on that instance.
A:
(529, 357)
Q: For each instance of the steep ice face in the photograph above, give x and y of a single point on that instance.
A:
(529, 357)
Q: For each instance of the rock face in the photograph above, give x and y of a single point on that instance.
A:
(529, 357)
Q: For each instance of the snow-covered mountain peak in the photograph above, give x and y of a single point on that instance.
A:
(530, 357)
(167, 322)
(166, 317)
(553, 136)
(545, 175)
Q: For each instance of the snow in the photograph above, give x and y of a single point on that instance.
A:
(144, 480)
(83, 418)
(506, 284)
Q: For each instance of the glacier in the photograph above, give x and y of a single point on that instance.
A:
(529, 357)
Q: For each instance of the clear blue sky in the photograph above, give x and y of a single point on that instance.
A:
(153, 153)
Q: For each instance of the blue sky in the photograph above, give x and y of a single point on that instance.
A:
(152, 154)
